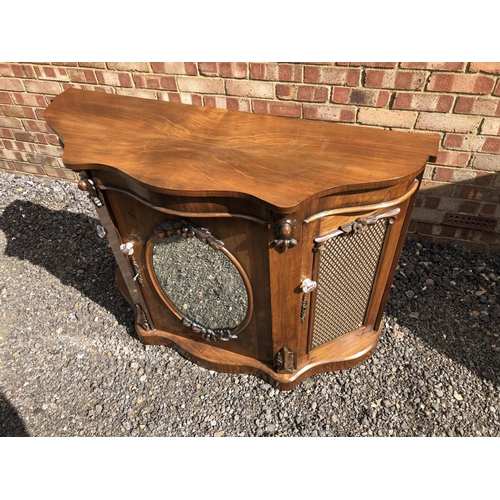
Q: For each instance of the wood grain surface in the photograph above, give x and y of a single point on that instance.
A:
(192, 150)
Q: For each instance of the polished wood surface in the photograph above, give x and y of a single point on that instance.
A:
(271, 189)
(192, 150)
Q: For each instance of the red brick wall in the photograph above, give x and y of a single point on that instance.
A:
(459, 100)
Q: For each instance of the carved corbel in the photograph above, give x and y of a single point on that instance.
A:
(284, 231)
(86, 184)
(285, 361)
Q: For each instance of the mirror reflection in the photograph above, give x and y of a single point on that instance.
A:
(200, 282)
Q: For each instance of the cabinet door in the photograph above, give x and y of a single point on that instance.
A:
(350, 268)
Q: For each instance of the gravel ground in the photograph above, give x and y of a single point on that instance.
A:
(71, 365)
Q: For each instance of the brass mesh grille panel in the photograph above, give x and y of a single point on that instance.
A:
(347, 267)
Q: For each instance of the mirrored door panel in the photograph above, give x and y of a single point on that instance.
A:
(201, 281)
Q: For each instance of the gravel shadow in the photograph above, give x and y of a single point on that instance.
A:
(66, 244)
(11, 425)
(450, 298)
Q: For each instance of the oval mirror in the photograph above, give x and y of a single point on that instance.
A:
(200, 279)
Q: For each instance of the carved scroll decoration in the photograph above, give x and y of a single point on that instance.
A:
(138, 275)
(187, 230)
(208, 333)
(303, 308)
(357, 226)
(141, 318)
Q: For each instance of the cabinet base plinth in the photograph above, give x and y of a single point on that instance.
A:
(340, 354)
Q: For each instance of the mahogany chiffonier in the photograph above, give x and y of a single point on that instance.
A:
(249, 243)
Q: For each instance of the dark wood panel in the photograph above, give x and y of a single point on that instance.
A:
(245, 240)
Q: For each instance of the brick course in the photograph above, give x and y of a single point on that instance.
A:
(180, 97)
(176, 68)
(459, 100)
(478, 106)
(332, 76)
(423, 101)
(231, 103)
(485, 67)
(443, 66)
(129, 66)
(200, 85)
(386, 117)
(276, 72)
(329, 113)
(486, 162)
(276, 108)
(447, 122)
(115, 79)
(467, 84)
(491, 145)
(16, 70)
(310, 93)
(51, 73)
(80, 75)
(360, 97)
(246, 88)
(404, 80)
(491, 126)
(225, 70)
(11, 84)
(455, 158)
(154, 82)
(463, 142)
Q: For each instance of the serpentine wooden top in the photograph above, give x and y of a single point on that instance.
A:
(188, 150)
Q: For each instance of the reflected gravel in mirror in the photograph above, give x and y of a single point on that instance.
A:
(200, 282)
